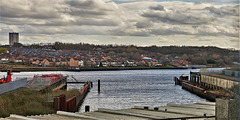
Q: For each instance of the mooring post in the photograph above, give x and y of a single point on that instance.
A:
(98, 85)
(87, 108)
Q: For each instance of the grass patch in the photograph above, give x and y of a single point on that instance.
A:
(69, 93)
(29, 102)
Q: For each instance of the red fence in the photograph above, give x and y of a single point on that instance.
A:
(61, 104)
(71, 104)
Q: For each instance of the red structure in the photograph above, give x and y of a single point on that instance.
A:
(70, 105)
(46, 79)
(8, 79)
(53, 77)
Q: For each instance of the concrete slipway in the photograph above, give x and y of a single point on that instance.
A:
(197, 111)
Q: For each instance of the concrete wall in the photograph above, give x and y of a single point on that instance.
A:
(238, 102)
(226, 109)
(231, 73)
(219, 82)
(228, 72)
(237, 73)
(6, 87)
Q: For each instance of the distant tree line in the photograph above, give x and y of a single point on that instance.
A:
(194, 54)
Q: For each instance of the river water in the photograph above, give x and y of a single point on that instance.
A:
(128, 88)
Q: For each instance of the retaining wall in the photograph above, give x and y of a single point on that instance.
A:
(219, 82)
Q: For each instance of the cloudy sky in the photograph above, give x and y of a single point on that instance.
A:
(137, 22)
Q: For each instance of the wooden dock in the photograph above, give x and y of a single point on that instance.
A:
(197, 111)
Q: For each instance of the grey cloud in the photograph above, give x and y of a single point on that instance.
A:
(209, 31)
(176, 17)
(144, 24)
(158, 7)
(226, 10)
(29, 11)
(140, 33)
(96, 17)
(87, 8)
(83, 21)
(124, 33)
(206, 40)
(162, 41)
(86, 13)
(88, 4)
(62, 30)
(167, 32)
(129, 32)
(235, 41)
(81, 4)
(96, 22)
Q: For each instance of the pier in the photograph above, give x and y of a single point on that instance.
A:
(60, 102)
(222, 88)
(209, 86)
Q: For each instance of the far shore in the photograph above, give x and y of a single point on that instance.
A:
(30, 69)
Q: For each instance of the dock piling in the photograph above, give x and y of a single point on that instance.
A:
(98, 85)
(87, 108)
(156, 108)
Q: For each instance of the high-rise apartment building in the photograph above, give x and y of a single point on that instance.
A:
(13, 38)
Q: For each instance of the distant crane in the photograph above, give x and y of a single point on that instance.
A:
(8, 79)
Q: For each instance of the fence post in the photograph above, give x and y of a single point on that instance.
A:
(56, 103)
(62, 102)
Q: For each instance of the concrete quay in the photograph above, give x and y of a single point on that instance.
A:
(197, 111)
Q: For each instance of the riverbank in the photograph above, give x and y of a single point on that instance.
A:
(22, 68)
(30, 102)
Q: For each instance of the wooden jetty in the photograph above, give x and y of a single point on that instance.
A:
(60, 102)
(197, 111)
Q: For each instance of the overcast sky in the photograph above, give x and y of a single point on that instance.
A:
(137, 22)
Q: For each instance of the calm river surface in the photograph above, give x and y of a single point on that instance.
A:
(128, 88)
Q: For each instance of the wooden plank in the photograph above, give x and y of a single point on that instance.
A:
(59, 87)
(160, 114)
(194, 106)
(188, 111)
(129, 114)
(54, 117)
(77, 115)
(206, 103)
(111, 116)
(21, 117)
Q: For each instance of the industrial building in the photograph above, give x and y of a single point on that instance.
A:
(13, 38)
